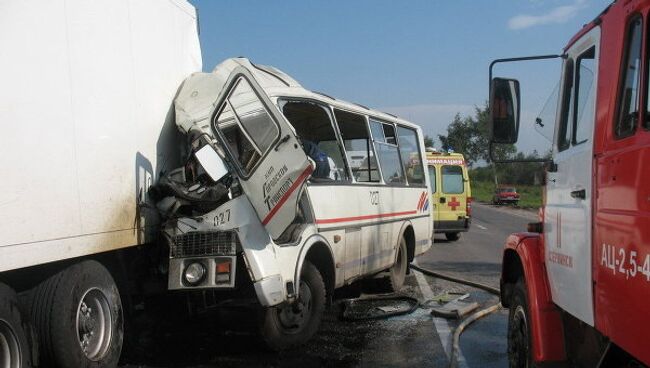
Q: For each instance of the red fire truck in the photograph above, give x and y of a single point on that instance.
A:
(578, 282)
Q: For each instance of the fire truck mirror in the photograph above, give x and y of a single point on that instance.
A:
(504, 110)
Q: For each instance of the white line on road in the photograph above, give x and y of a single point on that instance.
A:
(442, 326)
(481, 227)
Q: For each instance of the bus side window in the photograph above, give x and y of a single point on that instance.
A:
(313, 125)
(409, 149)
(358, 147)
(383, 136)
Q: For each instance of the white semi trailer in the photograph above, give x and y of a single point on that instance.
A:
(86, 109)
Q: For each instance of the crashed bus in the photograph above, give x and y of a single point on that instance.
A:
(269, 205)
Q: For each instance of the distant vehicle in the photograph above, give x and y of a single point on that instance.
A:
(451, 194)
(505, 195)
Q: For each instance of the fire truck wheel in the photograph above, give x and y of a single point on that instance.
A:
(519, 345)
(15, 343)
(78, 316)
(290, 325)
(452, 236)
(397, 273)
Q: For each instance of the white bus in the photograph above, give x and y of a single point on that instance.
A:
(280, 225)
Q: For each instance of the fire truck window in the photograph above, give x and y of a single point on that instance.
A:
(389, 161)
(628, 100)
(313, 125)
(358, 147)
(409, 149)
(564, 132)
(585, 96)
(452, 180)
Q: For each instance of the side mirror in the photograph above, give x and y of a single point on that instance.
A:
(211, 162)
(504, 110)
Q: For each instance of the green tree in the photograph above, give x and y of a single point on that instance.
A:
(428, 141)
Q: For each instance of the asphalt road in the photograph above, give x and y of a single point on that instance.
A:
(414, 340)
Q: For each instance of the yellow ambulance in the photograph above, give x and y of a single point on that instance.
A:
(451, 196)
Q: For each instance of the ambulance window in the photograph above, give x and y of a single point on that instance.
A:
(358, 147)
(389, 162)
(452, 180)
(314, 128)
(564, 132)
(628, 99)
(409, 149)
(249, 131)
(585, 96)
(432, 178)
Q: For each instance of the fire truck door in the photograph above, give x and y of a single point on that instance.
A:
(568, 216)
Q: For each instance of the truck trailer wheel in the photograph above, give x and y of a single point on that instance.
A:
(15, 342)
(519, 345)
(290, 325)
(78, 317)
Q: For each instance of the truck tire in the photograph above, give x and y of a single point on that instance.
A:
(290, 325)
(452, 236)
(397, 273)
(78, 317)
(16, 345)
(519, 335)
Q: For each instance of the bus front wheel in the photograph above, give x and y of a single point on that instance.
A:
(292, 324)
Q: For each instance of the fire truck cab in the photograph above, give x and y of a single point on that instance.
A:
(578, 283)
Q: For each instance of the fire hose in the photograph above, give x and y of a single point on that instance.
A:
(453, 359)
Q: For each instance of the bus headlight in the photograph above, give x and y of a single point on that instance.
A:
(194, 273)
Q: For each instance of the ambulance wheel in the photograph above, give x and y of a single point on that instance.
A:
(397, 273)
(452, 236)
(290, 325)
(519, 344)
(78, 316)
(15, 342)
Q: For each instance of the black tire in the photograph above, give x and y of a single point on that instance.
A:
(17, 348)
(67, 307)
(519, 334)
(290, 325)
(452, 236)
(394, 281)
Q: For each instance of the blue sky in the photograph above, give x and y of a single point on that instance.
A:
(423, 60)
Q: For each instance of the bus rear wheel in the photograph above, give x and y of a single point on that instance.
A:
(15, 345)
(397, 273)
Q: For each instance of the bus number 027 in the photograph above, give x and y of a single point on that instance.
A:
(374, 197)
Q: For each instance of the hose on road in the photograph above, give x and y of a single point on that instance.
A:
(453, 359)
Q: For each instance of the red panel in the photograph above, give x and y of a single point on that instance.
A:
(622, 202)
(545, 320)
(622, 246)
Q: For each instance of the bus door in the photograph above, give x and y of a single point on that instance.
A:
(435, 187)
(270, 161)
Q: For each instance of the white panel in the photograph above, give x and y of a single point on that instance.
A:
(38, 192)
(567, 220)
(85, 103)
